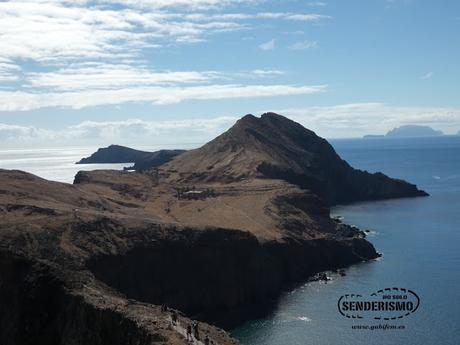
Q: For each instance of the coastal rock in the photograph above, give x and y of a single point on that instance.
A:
(120, 154)
(114, 154)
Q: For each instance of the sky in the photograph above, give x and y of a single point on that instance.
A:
(149, 72)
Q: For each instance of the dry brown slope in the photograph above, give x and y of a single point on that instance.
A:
(49, 234)
(273, 146)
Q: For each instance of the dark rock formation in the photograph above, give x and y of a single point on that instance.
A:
(155, 159)
(114, 154)
(218, 269)
(120, 154)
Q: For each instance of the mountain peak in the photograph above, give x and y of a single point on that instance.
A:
(273, 146)
(273, 116)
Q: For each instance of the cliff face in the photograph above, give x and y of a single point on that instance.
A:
(215, 270)
(222, 227)
(36, 308)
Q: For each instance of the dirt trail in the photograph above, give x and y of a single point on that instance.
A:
(181, 330)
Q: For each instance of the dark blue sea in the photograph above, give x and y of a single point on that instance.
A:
(419, 239)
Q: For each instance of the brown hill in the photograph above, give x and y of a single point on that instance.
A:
(273, 146)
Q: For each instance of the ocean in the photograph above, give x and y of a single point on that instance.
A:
(419, 239)
(57, 164)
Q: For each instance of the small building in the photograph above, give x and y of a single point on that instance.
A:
(194, 194)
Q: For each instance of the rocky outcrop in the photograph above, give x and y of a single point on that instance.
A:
(120, 154)
(114, 154)
(155, 159)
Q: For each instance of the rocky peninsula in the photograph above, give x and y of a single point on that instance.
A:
(142, 160)
(224, 226)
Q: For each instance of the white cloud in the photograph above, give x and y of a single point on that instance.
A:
(8, 70)
(113, 76)
(358, 119)
(49, 32)
(307, 17)
(21, 133)
(304, 45)
(267, 72)
(127, 132)
(270, 45)
(133, 128)
(22, 101)
(192, 4)
(428, 75)
(54, 31)
(345, 120)
(303, 17)
(316, 4)
(53, 51)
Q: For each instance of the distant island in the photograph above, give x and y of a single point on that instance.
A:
(407, 131)
(413, 131)
(120, 154)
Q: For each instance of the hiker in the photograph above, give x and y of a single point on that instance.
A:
(174, 318)
(164, 308)
(196, 332)
(189, 332)
(206, 340)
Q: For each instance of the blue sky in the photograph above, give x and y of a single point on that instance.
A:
(146, 72)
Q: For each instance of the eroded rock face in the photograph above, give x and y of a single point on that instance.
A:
(36, 308)
(219, 270)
